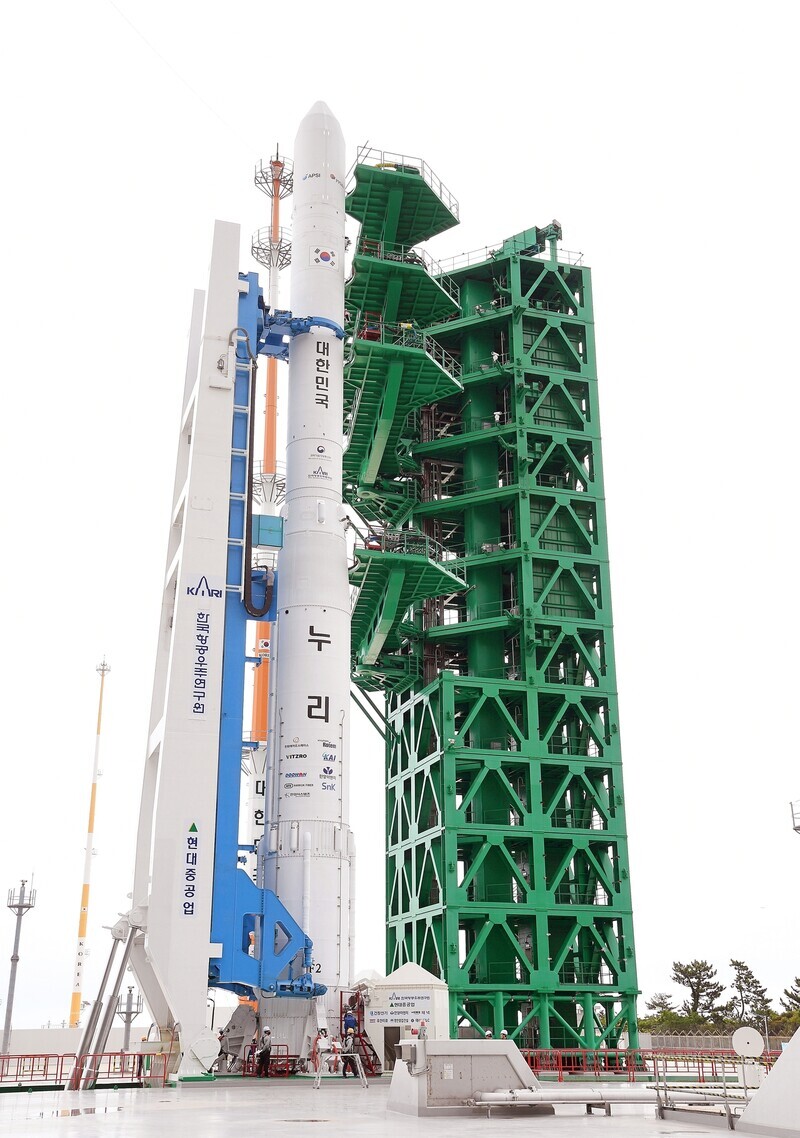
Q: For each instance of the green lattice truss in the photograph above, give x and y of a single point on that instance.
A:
(483, 613)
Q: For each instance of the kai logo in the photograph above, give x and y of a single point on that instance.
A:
(203, 589)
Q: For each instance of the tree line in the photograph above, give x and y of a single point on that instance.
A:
(706, 1008)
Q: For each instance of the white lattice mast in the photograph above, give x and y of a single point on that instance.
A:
(83, 918)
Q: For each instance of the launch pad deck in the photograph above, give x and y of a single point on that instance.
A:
(291, 1108)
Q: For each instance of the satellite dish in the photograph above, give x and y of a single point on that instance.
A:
(747, 1042)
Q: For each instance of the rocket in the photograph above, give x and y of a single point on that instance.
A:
(310, 853)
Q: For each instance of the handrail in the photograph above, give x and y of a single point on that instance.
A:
(502, 249)
(635, 1062)
(404, 335)
(409, 255)
(410, 542)
(404, 164)
(450, 488)
(433, 432)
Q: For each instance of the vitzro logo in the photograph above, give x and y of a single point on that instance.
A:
(203, 589)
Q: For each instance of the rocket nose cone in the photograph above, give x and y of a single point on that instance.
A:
(320, 108)
(319, 119)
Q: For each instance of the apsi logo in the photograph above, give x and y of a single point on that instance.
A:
(203, 589)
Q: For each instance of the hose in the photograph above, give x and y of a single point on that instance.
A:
(247, 568)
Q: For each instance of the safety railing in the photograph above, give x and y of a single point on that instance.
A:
(504, 249)
(557, 306)
(500, 743)
(489, 306)
(405, 335)
(577, 973)
(495, 360)
(577, 820)
(460, 552)
(570, 677)
(408, 255)
(403, 164)
(124, 1066)
(101, 1067)
(30, 1070)
(405, 542)
(280, 1066)
(449, 428)
(574, 894)
(445, 487)
(638, 1064)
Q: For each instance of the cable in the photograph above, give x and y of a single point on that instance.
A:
(247, 568)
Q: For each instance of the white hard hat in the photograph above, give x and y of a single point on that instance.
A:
(486, 1034)
(504, 1032)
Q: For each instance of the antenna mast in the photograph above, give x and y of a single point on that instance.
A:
(80, 955)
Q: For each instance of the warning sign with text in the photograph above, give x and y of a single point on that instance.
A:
(402, 1009)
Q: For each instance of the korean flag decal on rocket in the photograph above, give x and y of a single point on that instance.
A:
(327, 257)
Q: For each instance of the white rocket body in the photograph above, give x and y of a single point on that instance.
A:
(308, 841)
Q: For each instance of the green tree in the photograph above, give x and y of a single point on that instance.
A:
(790, 1000)
(751, 1002)
(660, 1005)
(700, 978)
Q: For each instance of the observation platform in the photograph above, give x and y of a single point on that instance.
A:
(398, 198)
(400, 569)
(393, 370)
(398, 279)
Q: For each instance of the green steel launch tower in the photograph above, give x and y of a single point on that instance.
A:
(483, 614)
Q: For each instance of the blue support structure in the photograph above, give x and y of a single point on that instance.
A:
(239, 907)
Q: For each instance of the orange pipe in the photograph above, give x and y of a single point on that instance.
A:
(264, 628)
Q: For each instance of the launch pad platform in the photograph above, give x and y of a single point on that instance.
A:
(291, 1107)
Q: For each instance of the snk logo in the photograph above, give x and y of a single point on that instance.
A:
(203, 589)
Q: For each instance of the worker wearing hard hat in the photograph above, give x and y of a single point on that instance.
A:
(263, 1053)
(348, 1054)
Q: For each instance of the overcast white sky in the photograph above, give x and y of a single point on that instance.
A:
(663, 138)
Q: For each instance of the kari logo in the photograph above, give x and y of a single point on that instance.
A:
(318, 473)
(202, 589)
